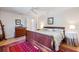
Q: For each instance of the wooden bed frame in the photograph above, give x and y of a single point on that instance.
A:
(40, 38)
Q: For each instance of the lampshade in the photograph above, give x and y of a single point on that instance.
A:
(72, 27)
(42, 25)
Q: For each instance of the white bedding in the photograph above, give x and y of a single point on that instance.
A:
(72, 38)
(58, 36)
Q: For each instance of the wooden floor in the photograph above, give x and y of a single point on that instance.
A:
(67, 48)
(11, 40)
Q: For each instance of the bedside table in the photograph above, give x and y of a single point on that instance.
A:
(72, 38)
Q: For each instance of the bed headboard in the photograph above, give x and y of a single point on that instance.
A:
(54, 27)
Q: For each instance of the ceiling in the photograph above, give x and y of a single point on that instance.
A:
(37, 10)
(20, 10)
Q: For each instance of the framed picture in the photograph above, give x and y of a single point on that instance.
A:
(18, 22)
(50, 20)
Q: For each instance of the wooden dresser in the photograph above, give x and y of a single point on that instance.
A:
(20, 31)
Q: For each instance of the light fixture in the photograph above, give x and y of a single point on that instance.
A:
(42, 25)
(72, 27)
(32, 20)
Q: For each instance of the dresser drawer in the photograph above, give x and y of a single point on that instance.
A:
(20, 31)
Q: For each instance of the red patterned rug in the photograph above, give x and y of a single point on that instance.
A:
(24, 47)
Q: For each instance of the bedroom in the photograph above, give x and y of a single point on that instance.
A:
(37, 25)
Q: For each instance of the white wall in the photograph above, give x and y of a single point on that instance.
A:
(70, 17)
(64, 18)
(8, 19)
(31, 25)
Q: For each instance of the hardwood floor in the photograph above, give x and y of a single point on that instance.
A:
(66, 48)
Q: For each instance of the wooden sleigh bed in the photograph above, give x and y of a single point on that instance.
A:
(45, 37)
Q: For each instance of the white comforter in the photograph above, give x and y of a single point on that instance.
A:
(58, 37)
